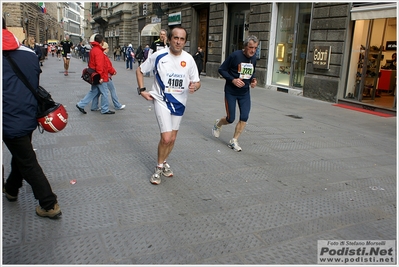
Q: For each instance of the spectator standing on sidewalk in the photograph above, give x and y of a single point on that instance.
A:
(32, 45)
(169, 94)
(239, 71)
(99, 63)
(199, 59)
(110, 85)
(19, 122)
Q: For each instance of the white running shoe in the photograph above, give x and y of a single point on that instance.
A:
(156, 177)
(122, 107)
(166, 171)
(233, 144)
(216, 129)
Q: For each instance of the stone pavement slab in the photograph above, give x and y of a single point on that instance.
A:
(308, 171)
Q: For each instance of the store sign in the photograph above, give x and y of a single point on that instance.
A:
(155, 20)
(174, 18)
(321, 57)
(391, 45)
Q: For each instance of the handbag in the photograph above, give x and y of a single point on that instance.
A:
(91, 76)
(51, 116)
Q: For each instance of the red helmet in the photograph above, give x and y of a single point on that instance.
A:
(55, 119)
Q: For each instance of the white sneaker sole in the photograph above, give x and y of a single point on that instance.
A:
(232, 147)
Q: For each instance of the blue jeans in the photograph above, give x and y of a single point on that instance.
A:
(114, 97)
(129, 63)
(91, 97)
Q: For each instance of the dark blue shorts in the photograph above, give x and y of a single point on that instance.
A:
(244, 105)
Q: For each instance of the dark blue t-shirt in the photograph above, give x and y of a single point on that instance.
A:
(235, 66)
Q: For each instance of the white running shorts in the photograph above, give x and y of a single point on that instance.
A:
(166, 121)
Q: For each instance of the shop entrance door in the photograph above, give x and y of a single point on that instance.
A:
(238, 16)
(371, 76)
(291, 44)
(203, 33)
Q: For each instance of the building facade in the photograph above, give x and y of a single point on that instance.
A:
(70, 20)
(49, 22)
(28, 19)
(335, 51)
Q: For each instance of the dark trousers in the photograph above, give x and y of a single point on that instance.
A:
(24, 165)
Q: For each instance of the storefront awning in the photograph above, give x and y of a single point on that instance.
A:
(152, 29)
(374, 12)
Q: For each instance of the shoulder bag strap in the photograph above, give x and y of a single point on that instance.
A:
(20, 75)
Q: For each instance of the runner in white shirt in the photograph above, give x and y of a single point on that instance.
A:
(175, 76)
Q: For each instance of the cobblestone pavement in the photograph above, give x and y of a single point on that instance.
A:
(308, 171)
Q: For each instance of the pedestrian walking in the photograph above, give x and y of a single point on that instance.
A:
(139, 55)
(118, 53)
(19, 121)
(67, 45)
(146, 52)
(110, 85)
(124, 52)
(239, 72)
(99, 63)
(87, 48)
(169, 93)
(129, 57)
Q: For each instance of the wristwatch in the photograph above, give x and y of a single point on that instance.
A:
(139, 90)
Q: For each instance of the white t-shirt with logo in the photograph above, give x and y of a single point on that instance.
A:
(172, 77)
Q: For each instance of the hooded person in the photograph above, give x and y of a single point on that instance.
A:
(129, 57)
(19, 121)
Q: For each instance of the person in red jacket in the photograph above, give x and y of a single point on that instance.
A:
(99, 63)
(110, 85)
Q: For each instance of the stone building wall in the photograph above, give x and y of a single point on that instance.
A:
(329, 27)
(215, 32)
(27, 19)
(259, 25)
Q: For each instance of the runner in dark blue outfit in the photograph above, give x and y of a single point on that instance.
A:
(239, 71)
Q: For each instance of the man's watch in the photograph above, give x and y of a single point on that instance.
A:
(139, 90)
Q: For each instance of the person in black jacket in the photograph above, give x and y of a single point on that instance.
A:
(32, 45)
(239, 72)
(199, 59)
(139, 55)
(392, 63)
(19, 122)
(160, 43)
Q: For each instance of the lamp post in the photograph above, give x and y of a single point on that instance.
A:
(46, 41)
(26, 21)
(5, 15)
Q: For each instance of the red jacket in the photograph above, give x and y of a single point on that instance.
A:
(111, 69)
(98, 61)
